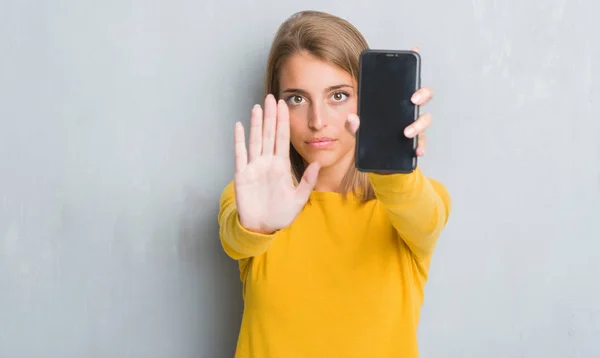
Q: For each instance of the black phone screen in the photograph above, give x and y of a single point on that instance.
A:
(387, 81)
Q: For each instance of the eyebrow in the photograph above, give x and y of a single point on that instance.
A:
(328, 89)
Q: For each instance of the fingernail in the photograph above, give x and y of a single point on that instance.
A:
(409, 132)
(416, 98)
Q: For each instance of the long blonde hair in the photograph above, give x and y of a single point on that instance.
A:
(331, 39)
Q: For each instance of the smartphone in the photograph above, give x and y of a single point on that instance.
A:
(387, 79)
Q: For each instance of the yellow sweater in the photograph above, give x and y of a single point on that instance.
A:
(345, 279)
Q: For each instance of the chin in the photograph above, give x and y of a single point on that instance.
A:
(325, 159)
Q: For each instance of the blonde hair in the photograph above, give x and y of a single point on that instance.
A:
(331, 39)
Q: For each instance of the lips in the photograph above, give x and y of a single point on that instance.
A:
(321, 142)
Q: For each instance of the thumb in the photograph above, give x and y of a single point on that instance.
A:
(308, 181)
(352, 123)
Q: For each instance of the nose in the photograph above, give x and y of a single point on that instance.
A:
(316, 117)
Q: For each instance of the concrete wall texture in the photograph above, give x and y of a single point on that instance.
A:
(116, 127)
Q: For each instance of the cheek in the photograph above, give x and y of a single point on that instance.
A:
(347, 139)
(336, 116)
(339, 116)
(298, 126)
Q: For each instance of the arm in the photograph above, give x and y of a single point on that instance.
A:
(237, 241)
(418, 207)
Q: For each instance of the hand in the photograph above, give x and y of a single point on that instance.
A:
(267, 199)
(417, 128)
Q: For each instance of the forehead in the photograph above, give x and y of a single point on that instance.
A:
(306, 71)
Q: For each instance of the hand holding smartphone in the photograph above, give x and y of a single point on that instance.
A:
(387, 80)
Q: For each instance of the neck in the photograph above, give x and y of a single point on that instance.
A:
(330, 178)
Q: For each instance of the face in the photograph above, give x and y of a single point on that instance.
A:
(319, 96)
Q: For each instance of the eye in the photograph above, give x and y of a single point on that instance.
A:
(339, 96)
(295, 100)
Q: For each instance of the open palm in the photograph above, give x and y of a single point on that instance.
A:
(267, 199)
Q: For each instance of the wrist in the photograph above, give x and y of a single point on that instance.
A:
(257, 228)
(262, 231)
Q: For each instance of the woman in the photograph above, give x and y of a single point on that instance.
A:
(333, 261)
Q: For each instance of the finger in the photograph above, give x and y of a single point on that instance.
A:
(418, 126)
(255, 139)
(282, 141)
(422, 96)
(307, 183)
(352, 123)
(241, 155)
(416, 49)
(269, 125)
(422, 144)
